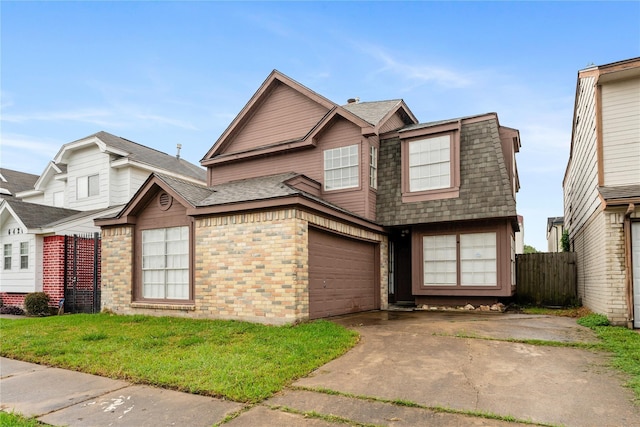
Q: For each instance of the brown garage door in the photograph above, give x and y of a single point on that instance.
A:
(342, 275)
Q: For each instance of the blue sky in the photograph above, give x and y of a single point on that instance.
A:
(162, 73)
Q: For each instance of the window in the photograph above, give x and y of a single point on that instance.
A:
(24, 255)
(88, 186)
(430, 163)
(460, 259)
(58, 199)
(7, 256)
(341, 168)
(165, 263)
(373, 168)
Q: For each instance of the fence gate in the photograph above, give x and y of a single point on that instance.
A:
(82, 273)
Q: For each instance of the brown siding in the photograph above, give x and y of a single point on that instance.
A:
(309, 162)
(394, 122)
(285, 115)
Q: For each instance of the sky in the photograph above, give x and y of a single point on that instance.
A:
(161, 73)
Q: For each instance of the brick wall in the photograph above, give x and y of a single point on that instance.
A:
(249, 267)
(13, 299)
(53, 268)
(116, 268)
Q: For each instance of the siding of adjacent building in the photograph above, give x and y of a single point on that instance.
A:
(621, 132)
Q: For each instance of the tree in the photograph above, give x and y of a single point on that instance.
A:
(565, 242)
(530, 250)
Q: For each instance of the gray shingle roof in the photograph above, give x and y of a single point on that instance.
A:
(17, 181)
(37, 216)
(372, 112)
(620, 192)
(151, 157)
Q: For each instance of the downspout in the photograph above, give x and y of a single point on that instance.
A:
(627, 267)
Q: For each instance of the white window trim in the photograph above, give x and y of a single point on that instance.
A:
(329, 182)
(373, 167)
(24, 256)
(165, 269)
(84, 187)
(7, 248)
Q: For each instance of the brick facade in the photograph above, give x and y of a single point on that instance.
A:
(600, 248)
(250, 266)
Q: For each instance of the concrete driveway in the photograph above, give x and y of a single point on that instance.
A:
(419, 357)
(462, 362)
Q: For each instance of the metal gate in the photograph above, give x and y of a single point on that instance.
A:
(82, 273)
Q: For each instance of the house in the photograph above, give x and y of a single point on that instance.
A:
(602, 189)
(555, 230)
(313, 209)
(12, 182)
(88, 178)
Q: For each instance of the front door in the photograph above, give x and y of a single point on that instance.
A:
(635, 262)
(402, 264)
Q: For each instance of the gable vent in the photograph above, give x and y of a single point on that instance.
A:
(164, 201)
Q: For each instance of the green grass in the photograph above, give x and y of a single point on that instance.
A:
(240, 361)
(10, 419)
(623, 343)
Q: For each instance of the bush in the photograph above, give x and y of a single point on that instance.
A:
(593, 320)
(37, 304)
(11, 309)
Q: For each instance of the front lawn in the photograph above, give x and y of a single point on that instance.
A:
(240, 361)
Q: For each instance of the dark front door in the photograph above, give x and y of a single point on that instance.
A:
(402, 261)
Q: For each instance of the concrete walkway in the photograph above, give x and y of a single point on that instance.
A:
(430, 359)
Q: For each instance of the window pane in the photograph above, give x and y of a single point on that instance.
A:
(82, 187)
(7, 256)
(24, 255)
(341, 168)
(478, 265)
(165, 263)
(94, 185)
(439, 254)
(429, 164)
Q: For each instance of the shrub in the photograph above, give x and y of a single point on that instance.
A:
(593, 320)
(11, 309)
(37, 304)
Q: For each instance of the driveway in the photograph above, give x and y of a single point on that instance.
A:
(419, 357)
(445, 368)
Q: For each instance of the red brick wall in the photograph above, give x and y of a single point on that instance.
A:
(53, 268)
(13, 299)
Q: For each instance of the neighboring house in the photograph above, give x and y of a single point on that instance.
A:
(12, 182)
(88, 178)
(312, 209)
(602, 189)
(555, 229)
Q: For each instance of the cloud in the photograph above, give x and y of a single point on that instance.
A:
(416, 73)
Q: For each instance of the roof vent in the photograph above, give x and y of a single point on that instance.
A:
(179, 146)
(165, 201)
(353, 100)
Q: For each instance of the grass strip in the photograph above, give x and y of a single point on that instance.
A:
(325, 417)
(441, 409)
(240, 361)
(11, 419)
(544, 343)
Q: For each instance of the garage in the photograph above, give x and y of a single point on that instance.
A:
(343, 275)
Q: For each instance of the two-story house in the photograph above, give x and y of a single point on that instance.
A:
(314, 209)
(602, 189)
(555, 230)
(88, 178)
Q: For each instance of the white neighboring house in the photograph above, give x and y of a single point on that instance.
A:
(602, 190)
(89, 178)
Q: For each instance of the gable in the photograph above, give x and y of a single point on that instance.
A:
(161, 210)
(285, 115)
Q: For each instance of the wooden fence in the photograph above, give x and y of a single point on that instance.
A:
(548, 279)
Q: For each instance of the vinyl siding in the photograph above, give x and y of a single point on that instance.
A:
(285, 115)
(85, 162)
(124, 183)
(581, 186)
(311, 163)
(394, 122)
(621, 132)
(17, 279)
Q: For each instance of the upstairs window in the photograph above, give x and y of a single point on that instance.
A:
(7, 256)
(430, 163)
(341, 168)
(88, 186)
(373, 168)
(24, 255)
